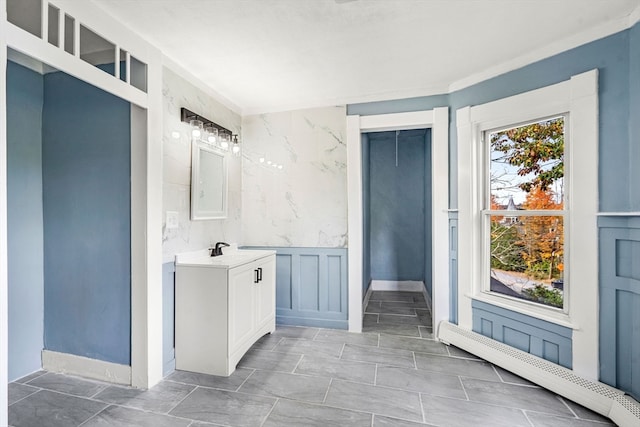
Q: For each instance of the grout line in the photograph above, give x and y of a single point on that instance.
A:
(270, 411)
(245, 380)
(98, 392)
(375, 375)
(415, 364)
(326, 393)
(181, 400)
(494, 370)
(296, 367)
(527, 417)
(29, 395)
(568, 407)
(93, 416)
(424, 418)
(344, 344)
(463, 389)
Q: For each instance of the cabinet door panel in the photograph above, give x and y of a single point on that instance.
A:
(241, 304)
(266, 292)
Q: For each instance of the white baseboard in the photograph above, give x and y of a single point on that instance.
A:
(367, 296)
(393, 285)
(65, 363)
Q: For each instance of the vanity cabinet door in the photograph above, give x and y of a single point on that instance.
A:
(266, 292)
(241, 304)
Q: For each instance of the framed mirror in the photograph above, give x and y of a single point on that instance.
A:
(208, 182)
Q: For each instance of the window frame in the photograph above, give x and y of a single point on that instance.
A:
(486, 213)
(577, 97)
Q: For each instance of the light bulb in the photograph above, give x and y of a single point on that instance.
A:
(224, 145)
(261, 159)
(196, 126)
(269, 162)
(279, 166)
(235, 149)
(175, 134)
(212, 135)
(274, 165)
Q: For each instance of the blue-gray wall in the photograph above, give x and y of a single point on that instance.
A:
(397, 205)
(616, 57)
(366, 222)
(24, 231)
(86, 205)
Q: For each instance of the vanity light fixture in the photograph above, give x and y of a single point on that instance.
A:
(235, 149)
(213, 133)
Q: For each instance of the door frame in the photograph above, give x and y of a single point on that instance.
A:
(438, 121)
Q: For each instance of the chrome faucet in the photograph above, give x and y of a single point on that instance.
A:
(217, 250)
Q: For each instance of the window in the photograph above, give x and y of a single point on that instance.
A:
(523, 216)
(553, 228)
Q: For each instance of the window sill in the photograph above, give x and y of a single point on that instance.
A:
(527, 308)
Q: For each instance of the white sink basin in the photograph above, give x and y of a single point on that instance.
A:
(228, 260)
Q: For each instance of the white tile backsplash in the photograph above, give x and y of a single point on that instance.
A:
(304, 204)
(193, 235)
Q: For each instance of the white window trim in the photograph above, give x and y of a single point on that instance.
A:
(579, 98)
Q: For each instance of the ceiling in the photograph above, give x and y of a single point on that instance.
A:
(270, 55)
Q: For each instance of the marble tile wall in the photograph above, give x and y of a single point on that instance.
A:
(191, 235)
(305, 203)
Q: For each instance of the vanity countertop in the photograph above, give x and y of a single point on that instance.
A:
(230, 258)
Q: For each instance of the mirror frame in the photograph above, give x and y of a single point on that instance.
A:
(197, 213)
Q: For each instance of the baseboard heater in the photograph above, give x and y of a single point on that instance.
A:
(601, 398)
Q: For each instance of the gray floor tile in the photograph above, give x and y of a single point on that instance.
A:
(509, 377)
(224, 407)
(446, 412)
(515, 396)
(382, 421)
(585, 413)
(269, 361)
(296, 414)
(337, 368)
(453, 366)
(19, 391)
(458, 352)
(161, 398)
(404, 330)
(415, 304)
(29, 377)
(295, 332)
(370, 319)
(545, 420)
(390, 296)
(347, 337)
(386, 356)
(375, 307)
(267, 342)
(378, 400)
(318, 348)
(51, 409)
(426, 332)
(289, 386)
(412, 344)
(420, 381)
(231, 383)
(117, 416)
(67, 384)
(425, 317)
(394, 319)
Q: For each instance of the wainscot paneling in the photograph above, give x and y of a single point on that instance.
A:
(538, 337)
(311, 286)
(620, 303)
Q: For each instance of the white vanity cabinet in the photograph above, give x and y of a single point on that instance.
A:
(224, 305)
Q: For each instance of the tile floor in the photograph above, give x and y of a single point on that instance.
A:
(393, 374)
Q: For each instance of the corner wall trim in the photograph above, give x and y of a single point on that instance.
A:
(65, 363)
